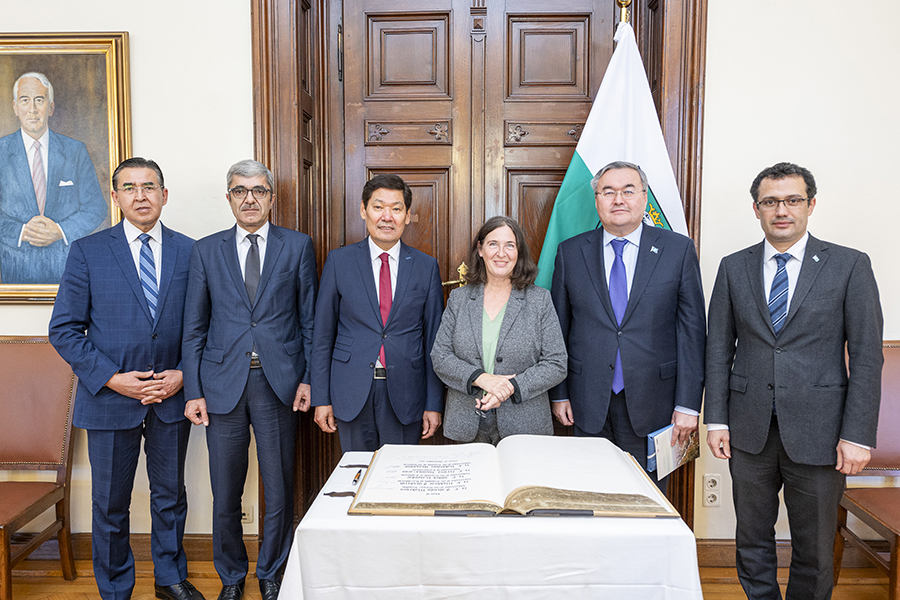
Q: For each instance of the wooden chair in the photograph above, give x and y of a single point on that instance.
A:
(879, 508)
(37, 389)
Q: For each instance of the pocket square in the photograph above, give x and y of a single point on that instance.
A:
(65, 183)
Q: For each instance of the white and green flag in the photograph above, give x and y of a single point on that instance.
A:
(623, 125)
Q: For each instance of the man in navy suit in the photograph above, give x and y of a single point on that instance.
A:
(49, 193)
(631, 308)
(118, 322)
(248, 333)
(378, 312)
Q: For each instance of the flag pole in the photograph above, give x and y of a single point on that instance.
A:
(623, 6)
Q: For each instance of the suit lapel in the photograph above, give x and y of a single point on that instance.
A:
(596, 268)
(753, 261)
(513, 308)
(474, 315)
(118, 245)
(648, 255)
(813, 260)
(168, 257)
(274, 246)
(229, 253)
(364, 261)
(18, 161)
(55, 161)
(404, 269)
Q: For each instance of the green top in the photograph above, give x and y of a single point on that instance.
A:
(490, 335)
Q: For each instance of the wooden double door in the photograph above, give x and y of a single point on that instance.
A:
(477, 104)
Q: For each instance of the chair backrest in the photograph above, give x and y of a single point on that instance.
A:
(37, 390)
(886, 455)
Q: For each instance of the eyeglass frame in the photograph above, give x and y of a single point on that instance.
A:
(795, 203)
(146, 188)
(250, 191)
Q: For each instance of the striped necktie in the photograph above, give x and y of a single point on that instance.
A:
(618, 295)
(148, 274)
(778, 296)
(38, 178)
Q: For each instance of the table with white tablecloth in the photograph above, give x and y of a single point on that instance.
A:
(336, 556)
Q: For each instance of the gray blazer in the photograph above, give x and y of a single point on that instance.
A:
(530, 347)
(803, 370)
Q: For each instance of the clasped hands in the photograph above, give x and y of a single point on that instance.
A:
(497, 389)
(147, 386)
(41, 231)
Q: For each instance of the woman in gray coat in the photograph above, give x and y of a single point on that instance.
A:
(499, 347)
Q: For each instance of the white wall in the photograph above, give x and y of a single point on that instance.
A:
(811, 82)
(191, 111)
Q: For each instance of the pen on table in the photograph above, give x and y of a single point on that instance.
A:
(357, 476)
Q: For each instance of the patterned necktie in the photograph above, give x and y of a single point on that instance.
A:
(38, 177)
(778, 296)
(251, 267)
(384, 296)
(618, 295)
(148, 274)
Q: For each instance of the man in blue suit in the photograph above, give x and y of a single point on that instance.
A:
(378, 312)
(248, 333)
(631, 308)
(118, 322)
(49, 193)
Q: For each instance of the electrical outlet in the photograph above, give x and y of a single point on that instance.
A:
(246, 514)
(711, 482)
(710, 498)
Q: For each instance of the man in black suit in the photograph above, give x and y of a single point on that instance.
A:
(779, 403)
(632, 313)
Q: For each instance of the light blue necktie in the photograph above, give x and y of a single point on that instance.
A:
(778, 297)
(148, 274)
(618, 295)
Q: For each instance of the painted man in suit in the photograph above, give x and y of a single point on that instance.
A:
(378, 312)
(118, 322)
(49, 193)
(631, 309)
(779, 402)
(248, 334)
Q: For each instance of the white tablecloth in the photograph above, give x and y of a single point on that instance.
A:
(336, 556)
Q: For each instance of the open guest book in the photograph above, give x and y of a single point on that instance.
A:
(524, 474)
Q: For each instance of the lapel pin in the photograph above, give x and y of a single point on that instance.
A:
(654, 249)
(815, 257)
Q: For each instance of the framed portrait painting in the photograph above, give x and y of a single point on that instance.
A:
(64, 128)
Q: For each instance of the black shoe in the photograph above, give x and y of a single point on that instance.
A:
(269, 589)
(178, 591)
(232, 592)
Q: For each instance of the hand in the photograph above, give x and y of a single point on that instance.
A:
(41, 231)
(171, 381)
(719, 442)
(851, 458)
(563, 412)
(685, 424)
(487, 402)
(301, 398)
(325, 418)
(195, 410)
(431, 420)
(139, 385)
(498, 385)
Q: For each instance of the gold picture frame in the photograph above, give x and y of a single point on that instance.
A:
(91, 119)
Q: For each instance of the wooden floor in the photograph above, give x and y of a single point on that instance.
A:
(42, 580)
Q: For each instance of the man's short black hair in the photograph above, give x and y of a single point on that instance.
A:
(387, 181)
(136, 162)
(780, 171)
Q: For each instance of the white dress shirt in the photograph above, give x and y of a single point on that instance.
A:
(770, 266)
(132, 235)
(393, 261)
(243, 246)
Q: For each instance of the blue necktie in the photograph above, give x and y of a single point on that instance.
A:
(148, 274)
(778, 297)
(618, 295)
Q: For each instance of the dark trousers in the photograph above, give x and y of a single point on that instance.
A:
(228, 439)
(811, 495)
(619, 431)
(376, 424)
(114, 456)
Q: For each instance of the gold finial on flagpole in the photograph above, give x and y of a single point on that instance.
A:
(623, 6)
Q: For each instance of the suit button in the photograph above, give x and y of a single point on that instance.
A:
(384, 336)
(371, 365)
(154, 336)
(499, 359)
(249, 354)
(777, 350)
(252, 324)
(619, 333)
(612, 367)
(149, 367)
(770, 387)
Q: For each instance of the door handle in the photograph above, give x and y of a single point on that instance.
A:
(462, 269)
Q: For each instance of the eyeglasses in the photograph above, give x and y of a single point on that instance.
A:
(240, 192)
(771, 203)
(130, 190)
(626, 194)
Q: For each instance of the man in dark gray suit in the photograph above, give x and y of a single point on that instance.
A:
(779, 402)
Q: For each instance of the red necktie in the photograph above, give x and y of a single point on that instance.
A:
(384, 296)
